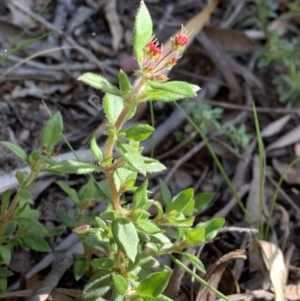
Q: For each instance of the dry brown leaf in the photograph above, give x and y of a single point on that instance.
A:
(16, 16)
(253, 200)
(252, 296)
(275, 126)
(285, 140)
(284, 224)
(214, 274)
(274, 261)
(8, 32)
(113, 23)
(297, 149)
(230, 40)
(292, 175)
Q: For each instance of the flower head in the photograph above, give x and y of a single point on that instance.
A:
(181, 39)
(158, 60)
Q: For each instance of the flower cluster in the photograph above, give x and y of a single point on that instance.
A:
(158, 60)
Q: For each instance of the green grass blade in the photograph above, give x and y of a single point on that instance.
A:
(199, 279)
(295, 161)
(219, 165)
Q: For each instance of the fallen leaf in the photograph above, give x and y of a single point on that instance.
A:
(16, 16)
(253, 200)
(292, 175)
(214, 274)
(275, 127)
(113, 23)
(285, 140)
(274, 261)
(230, 40)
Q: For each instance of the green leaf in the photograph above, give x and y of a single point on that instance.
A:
(148, 227)
(4, 272)
(5, 254)
(160, 238)
(189, 208)
(202, 200)
(140, 197)
(96, 149)
(120, 283)
(133, 157)
(123, 176)
(160, 95)
(33, 158)
(54, 231)
(30, 225)
(72, 166)
(97, 286)
(99, 82)
(35, 242)
(211, 227)
(142, 32)
(154, 284)
(20, 176)
(102, 263)
(113, 106)
(125, 235)
(165, 192)
(177, 87)
(181, 201)
(81, 265)
(52, 131)
(88, 192)
(69, 191)
(5, 199)
(152, 165)
(10, 228)
(24, 194)
(124, 82)
(3, 284)
(179, 223)
(139, 132)
(116, 296)
(158, 298)
(195, 261)
(17, 150)
(194, 237)
(66, 219)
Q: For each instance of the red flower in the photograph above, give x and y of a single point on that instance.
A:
(181, 39)
(153, 50)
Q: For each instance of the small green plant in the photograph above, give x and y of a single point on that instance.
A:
(126, 234)
(207, 119)
(281, 54)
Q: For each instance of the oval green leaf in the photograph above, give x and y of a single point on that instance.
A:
(125, 235)
(154, 284)
(52, 131)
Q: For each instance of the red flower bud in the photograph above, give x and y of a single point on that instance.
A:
(153, 50)
(171, 62)
(181, 39)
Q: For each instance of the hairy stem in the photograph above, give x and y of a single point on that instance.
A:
(110, 143)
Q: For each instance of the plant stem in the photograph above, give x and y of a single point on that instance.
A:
(115, 199)
(110, 143)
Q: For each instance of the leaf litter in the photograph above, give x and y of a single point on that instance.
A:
(105, 26)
